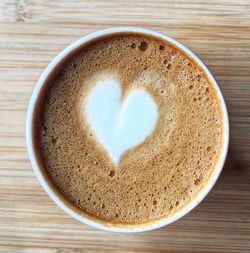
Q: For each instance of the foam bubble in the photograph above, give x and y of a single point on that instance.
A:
(161, 47)
(133, 45)
(169, 66)
(111, 173)
(143, 46)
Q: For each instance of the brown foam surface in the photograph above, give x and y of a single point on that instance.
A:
(157, 177)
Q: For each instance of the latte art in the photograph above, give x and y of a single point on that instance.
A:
(128, 129)
(120, 124)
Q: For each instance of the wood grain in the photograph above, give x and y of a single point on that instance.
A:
(33, 32)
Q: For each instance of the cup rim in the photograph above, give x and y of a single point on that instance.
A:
(57, 198)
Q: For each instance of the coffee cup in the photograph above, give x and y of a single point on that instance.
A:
(43, 177)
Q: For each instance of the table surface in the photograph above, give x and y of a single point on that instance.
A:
(32, 33)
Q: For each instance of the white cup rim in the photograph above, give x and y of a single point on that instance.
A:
(99, 223)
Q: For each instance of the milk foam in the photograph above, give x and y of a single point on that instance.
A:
(120, 125)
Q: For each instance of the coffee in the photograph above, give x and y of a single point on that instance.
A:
(128, 128)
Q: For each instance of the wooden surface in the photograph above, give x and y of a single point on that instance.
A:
(33, 32)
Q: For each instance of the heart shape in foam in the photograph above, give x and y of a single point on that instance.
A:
(120, 125)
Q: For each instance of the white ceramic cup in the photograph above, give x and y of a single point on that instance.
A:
(59, 199)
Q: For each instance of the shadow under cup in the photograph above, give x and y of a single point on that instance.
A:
(46, 181)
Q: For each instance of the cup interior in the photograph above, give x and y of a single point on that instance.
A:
(46, 182)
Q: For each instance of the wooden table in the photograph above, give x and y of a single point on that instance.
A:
(32, 33)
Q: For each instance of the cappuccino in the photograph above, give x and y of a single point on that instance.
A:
(128, 129)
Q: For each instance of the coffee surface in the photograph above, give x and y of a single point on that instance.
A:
(146, 164)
